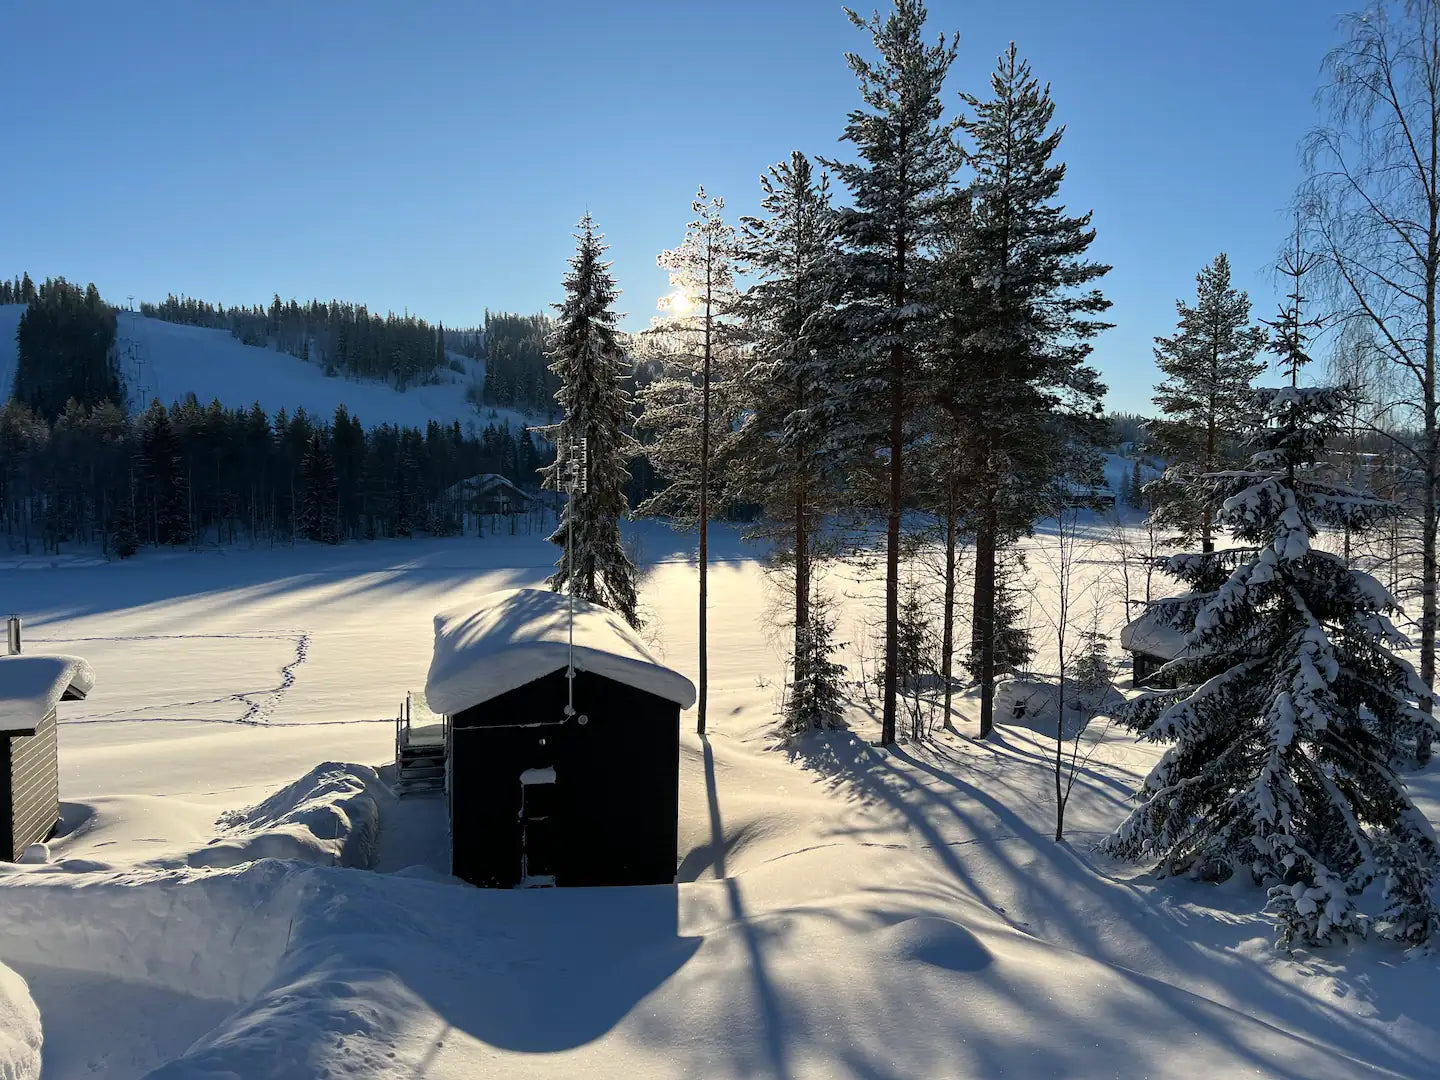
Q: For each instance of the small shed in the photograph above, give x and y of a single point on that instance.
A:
(30, 688)
(541, 795)
(1152, 642)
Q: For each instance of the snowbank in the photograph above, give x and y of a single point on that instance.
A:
(328, 817)
(30, 686)
(1034, 703)
(20, 1034)
(515, 637)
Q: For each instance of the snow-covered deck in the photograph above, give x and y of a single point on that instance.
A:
(30, 687)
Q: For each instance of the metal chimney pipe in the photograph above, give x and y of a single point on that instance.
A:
(12, 635)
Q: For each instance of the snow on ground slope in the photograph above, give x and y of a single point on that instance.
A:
(212, 364)
(841, 911)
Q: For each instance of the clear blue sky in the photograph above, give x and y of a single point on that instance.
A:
(436, 156)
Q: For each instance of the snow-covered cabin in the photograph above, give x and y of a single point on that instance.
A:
(30, 689)
(542, 792)
(1151, 643)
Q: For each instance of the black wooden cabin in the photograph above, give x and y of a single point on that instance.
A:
(30, 687)
(541, 796)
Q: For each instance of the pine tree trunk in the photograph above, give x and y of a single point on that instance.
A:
(802, 584)
(983, 634)
(947, 640)
(897, 492)
(1207, 540)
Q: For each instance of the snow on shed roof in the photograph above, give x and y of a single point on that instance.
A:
(1151, 635)
(507, 639)
(31, 685)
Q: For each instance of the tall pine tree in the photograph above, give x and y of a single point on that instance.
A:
(1209, 364)
(586, 354)
(784, 460)
(900, 189)
(1013, 372)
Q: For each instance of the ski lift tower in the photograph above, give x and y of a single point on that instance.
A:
(137, 360)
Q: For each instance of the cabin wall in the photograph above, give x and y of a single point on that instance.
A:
(32, 787)
(1143, 669)
(616, 809)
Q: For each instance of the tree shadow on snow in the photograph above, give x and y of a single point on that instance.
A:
(958, 806)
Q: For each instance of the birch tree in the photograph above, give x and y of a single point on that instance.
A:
(693, 338)
(1372, 210)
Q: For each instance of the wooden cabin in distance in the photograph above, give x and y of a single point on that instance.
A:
(1151, 643)
(30, 688)
(538, 795)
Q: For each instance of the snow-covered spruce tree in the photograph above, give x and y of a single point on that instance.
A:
(783, 461)
(1295, 708)
(687, 411)
(1135, 491)
(1209, 364)
(586, 354)
(1024, 310)
(900, 188)
(817, 688)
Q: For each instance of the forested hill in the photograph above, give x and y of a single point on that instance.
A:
(349, 340)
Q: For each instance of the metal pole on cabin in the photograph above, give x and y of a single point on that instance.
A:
(12, 635)
(570, 574)
(577, 478)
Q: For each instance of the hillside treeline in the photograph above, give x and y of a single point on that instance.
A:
(344, 339)
(195, 473)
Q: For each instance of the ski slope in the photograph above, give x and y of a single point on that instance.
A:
(841, 911)
(213, 365)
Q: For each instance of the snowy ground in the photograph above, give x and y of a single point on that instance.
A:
(212, 364)
(841, 911)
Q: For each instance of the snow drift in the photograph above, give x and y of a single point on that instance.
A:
(20, 1034)
(328, 817)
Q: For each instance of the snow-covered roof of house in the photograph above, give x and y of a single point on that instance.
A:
(486, 484)
(1151, 635)
(31, 685)
(508, 639)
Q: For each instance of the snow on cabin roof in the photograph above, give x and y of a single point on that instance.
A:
(31, 685)
(1151, 635)
(507, 639)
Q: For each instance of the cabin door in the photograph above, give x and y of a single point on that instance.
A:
(538, 839)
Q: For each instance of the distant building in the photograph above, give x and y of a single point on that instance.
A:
(490, 493)
(539, 795)
(1087, 495)
(1152, 643)
(30, 689)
